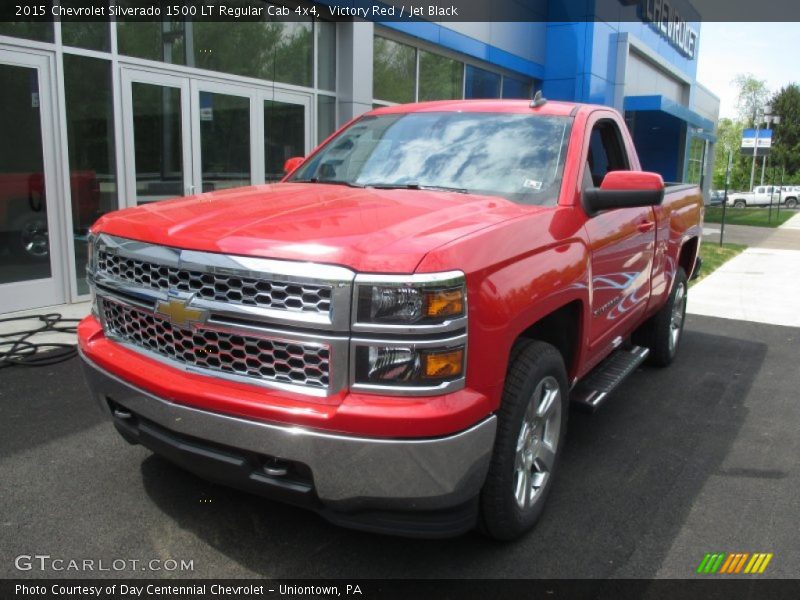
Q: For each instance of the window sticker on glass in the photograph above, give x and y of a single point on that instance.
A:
(532, 184)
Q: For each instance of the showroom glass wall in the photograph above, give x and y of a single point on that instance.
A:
(695, 164)
(406, 72)
(148, 111)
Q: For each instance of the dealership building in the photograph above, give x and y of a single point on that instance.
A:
(101, 115)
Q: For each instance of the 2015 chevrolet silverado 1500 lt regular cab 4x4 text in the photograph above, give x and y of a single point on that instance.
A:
(390, 335)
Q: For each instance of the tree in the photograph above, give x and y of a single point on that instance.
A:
(729, 135)
(752, 98)
(786, 136)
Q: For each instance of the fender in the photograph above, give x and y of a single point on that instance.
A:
(517, 273)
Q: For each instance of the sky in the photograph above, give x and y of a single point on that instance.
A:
(767, 50)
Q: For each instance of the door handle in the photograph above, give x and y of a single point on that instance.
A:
(646, 226)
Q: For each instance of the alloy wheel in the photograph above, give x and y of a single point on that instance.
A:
(678, 313)
(537, 442)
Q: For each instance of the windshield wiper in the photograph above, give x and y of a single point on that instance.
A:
(415, 186)
(331, 181)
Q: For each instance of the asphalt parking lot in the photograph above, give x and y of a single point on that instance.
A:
(699, 457)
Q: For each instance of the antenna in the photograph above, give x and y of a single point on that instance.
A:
(538, 100)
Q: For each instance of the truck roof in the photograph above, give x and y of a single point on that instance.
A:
(550, 108)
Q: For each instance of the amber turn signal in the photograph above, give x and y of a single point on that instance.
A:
(444, 364)
(444, 303)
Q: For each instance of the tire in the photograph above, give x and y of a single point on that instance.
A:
(739, 204)
(663, 332)
(32, 239)
(791, 203)
(532, 422)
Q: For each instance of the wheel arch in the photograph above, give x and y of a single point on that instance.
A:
(687, 257)
(562, 328)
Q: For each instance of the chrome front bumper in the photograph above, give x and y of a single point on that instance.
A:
(349, 473)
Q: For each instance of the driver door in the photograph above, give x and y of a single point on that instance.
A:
(622, 243)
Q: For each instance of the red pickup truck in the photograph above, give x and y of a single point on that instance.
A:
(390, 335)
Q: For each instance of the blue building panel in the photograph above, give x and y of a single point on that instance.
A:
(568, 49)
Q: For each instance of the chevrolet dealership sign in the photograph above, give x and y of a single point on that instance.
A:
(760, 139)
(664, 17)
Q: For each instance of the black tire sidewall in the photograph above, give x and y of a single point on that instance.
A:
(501, 517)
(661, 354)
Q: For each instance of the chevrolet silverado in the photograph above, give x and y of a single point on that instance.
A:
(390, 336)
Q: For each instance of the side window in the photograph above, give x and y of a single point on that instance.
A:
(606, 152)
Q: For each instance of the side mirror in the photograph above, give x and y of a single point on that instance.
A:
(292, 163)
(624, 189)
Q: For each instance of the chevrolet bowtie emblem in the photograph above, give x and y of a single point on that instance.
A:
(179, 314)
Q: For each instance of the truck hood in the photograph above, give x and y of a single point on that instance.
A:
(366, 229)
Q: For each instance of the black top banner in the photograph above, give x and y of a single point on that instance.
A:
(661, 11)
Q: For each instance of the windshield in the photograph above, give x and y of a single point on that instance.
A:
(517, 156)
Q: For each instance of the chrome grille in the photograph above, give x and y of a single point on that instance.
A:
(232, 289)
(258, 358)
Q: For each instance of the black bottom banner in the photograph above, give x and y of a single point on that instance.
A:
(369, 589)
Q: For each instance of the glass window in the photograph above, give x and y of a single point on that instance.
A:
(24, 246)
(163, 41)
(326, 55)
(224, 140)
(31, 30)
(90, 141)
(518, 156)
(284, 136)
(481, 83)
(85, 34)
(326, 117)
(440, 78)
(694, 168)
(157, 141)
(516, 88)
(606, 151)
(275, 51)
(393, 71)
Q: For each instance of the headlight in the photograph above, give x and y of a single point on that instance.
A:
(423, 299)
(410, 333)
(422, 365)
(90, 258)
(91, 262)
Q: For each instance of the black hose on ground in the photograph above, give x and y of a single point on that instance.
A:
(20, 348)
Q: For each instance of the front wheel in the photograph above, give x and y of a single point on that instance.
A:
(662, 333)
(531, 425)
(791, 203)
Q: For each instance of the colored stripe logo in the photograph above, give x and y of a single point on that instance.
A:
(734, 563)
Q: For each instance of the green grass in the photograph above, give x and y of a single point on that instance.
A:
(755, 217)
(714, 256)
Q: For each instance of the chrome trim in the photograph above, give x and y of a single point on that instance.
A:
(338, 351)
(427, 473)
(338, 278)
(443, 279)
(445, 387)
